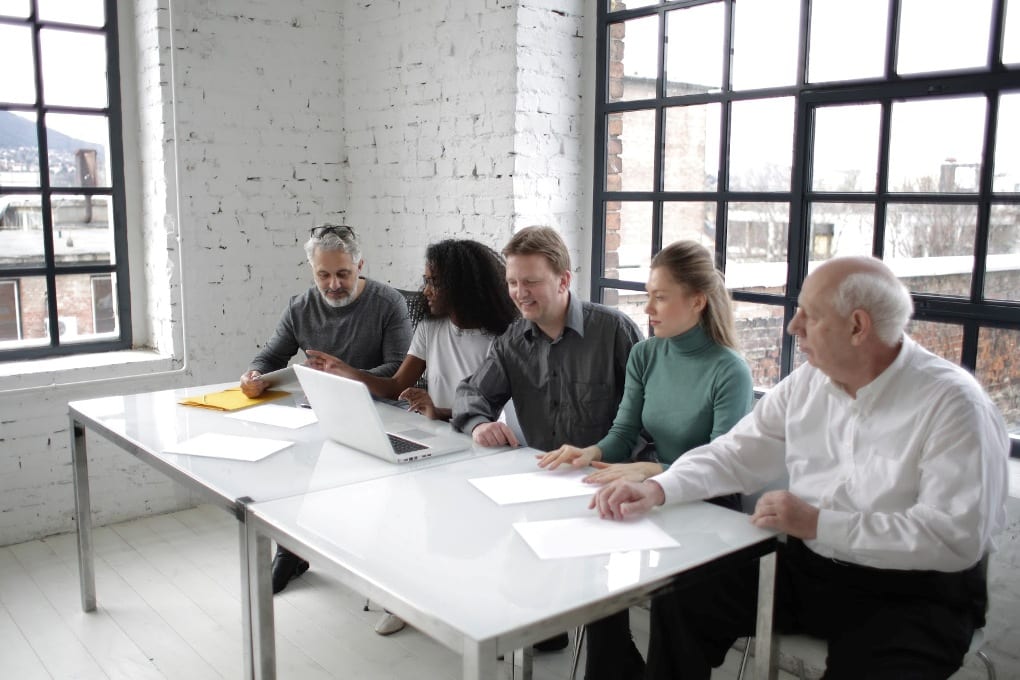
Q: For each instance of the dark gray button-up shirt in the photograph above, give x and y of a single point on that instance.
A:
(566, 390)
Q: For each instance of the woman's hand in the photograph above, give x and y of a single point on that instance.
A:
(321, 361)
(631, 472)
(569, 455)
(419, 401)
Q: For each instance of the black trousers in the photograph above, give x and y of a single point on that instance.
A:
(610, 650)
(879, 623)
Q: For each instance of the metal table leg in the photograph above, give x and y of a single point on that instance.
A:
(257, 603)
(766, 657)
(83, 517)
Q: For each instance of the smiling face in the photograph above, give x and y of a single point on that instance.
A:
(336, 276)
(539, 292)
(672, 309)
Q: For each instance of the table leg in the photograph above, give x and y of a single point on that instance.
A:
(83, 517)
(257, 593)
(480, 661)
(766, 657)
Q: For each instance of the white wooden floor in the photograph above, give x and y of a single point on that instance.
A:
(168, 608)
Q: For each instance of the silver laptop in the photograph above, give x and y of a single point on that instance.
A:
(348, 416)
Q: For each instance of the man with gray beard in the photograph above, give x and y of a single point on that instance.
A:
(344, 315)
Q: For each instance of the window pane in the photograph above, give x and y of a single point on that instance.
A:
(1007, 141)
(630, 142)
(756, 240)
(998, 370)
(17, 79)
(24, 323)
(104, 307)
(845, 156)
(616, 5)
(694, 221)
(1011, 37)
(761, 144)
(931, 246)
(847, 39)
(760, 334)
(83, 12)
(765, 43)
(928, 27)
(628, 240)
(630, 302)
(943, 339)
(927, 155)
(633, 59)
(77, 307)
(1002, 268)
(21, 234)
(691, 158)
(79, 150)
(841, 229)
(694, 50)
(14, 8)
(83, 230)
(74, 68)
(19, 150)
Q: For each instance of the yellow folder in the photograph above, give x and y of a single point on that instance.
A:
(232, 399)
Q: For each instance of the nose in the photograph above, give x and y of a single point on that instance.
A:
(796, 324)
(648, 307)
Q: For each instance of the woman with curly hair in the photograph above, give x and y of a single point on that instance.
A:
(466, 306)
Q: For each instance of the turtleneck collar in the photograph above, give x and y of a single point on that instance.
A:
(692, 341)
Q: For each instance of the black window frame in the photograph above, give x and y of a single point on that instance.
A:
(115, 193)
(972, 313)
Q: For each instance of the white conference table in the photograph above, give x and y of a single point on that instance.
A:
(144, 425)
(436, 552)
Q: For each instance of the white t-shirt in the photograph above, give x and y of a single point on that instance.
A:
(450, 354)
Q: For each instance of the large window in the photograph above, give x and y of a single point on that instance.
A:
(63, 247)
(782, 133)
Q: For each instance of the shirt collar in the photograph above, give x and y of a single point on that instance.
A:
(573, 321)
(867, 395)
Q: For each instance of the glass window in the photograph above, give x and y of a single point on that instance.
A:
(82, 12)
(841, 229)
(73, 68)
(694, 50)
(998, 370)
(10, 315)
(761, 144)
(847, 39)
(940, 35)
(943, 339)
(1007, 141)
(629, 239)
(930, 246)
(14, 8)
(765, 44)
(845, 154)
(760, 331)
(633, 55)
(689, 221)
(691, 155)
(756, 241)
(630, 151)
(928, 155)
(17, 86)
(1011, 35)
(1002, 266)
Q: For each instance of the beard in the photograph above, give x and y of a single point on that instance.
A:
(333, 302)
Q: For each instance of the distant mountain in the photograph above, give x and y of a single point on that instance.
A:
(15, 131)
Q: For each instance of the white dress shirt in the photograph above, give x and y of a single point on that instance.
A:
(911, 474)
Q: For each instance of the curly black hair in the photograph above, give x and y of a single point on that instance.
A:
(472, 279)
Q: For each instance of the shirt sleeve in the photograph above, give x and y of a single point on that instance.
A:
(282, 345)
(480, 397)
(959, 503)
(420, 341)
(396, 336)
(744, 460)
(623, 435)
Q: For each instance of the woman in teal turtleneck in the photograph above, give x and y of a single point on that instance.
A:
(685, 386)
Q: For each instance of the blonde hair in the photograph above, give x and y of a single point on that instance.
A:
(542, 241)
(692, 266)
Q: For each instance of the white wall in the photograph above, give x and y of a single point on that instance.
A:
(258, 119)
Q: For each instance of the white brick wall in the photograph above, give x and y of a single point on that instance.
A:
(257, 120)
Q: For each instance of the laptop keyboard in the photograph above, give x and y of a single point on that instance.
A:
(401, 445)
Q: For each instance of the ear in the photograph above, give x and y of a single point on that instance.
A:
(860, 327)
(361, 263)
(700, 302)
(565, 279)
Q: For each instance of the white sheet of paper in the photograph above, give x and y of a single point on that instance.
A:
(233, 447)
(275, 414)
(535, 486)
(580, 536)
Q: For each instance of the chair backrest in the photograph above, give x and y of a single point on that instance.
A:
(416, 307)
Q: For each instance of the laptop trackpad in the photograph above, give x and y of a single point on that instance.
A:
(415, 433)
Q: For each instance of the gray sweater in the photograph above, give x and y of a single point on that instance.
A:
(372, 333)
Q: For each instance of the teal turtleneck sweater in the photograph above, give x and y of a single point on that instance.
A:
(684, 391)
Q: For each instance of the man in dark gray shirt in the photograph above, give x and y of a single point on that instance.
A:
(344, 315)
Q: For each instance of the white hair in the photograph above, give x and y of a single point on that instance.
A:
(331, 241)
(884, 298)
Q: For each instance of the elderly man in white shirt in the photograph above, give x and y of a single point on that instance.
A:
(897, 482)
